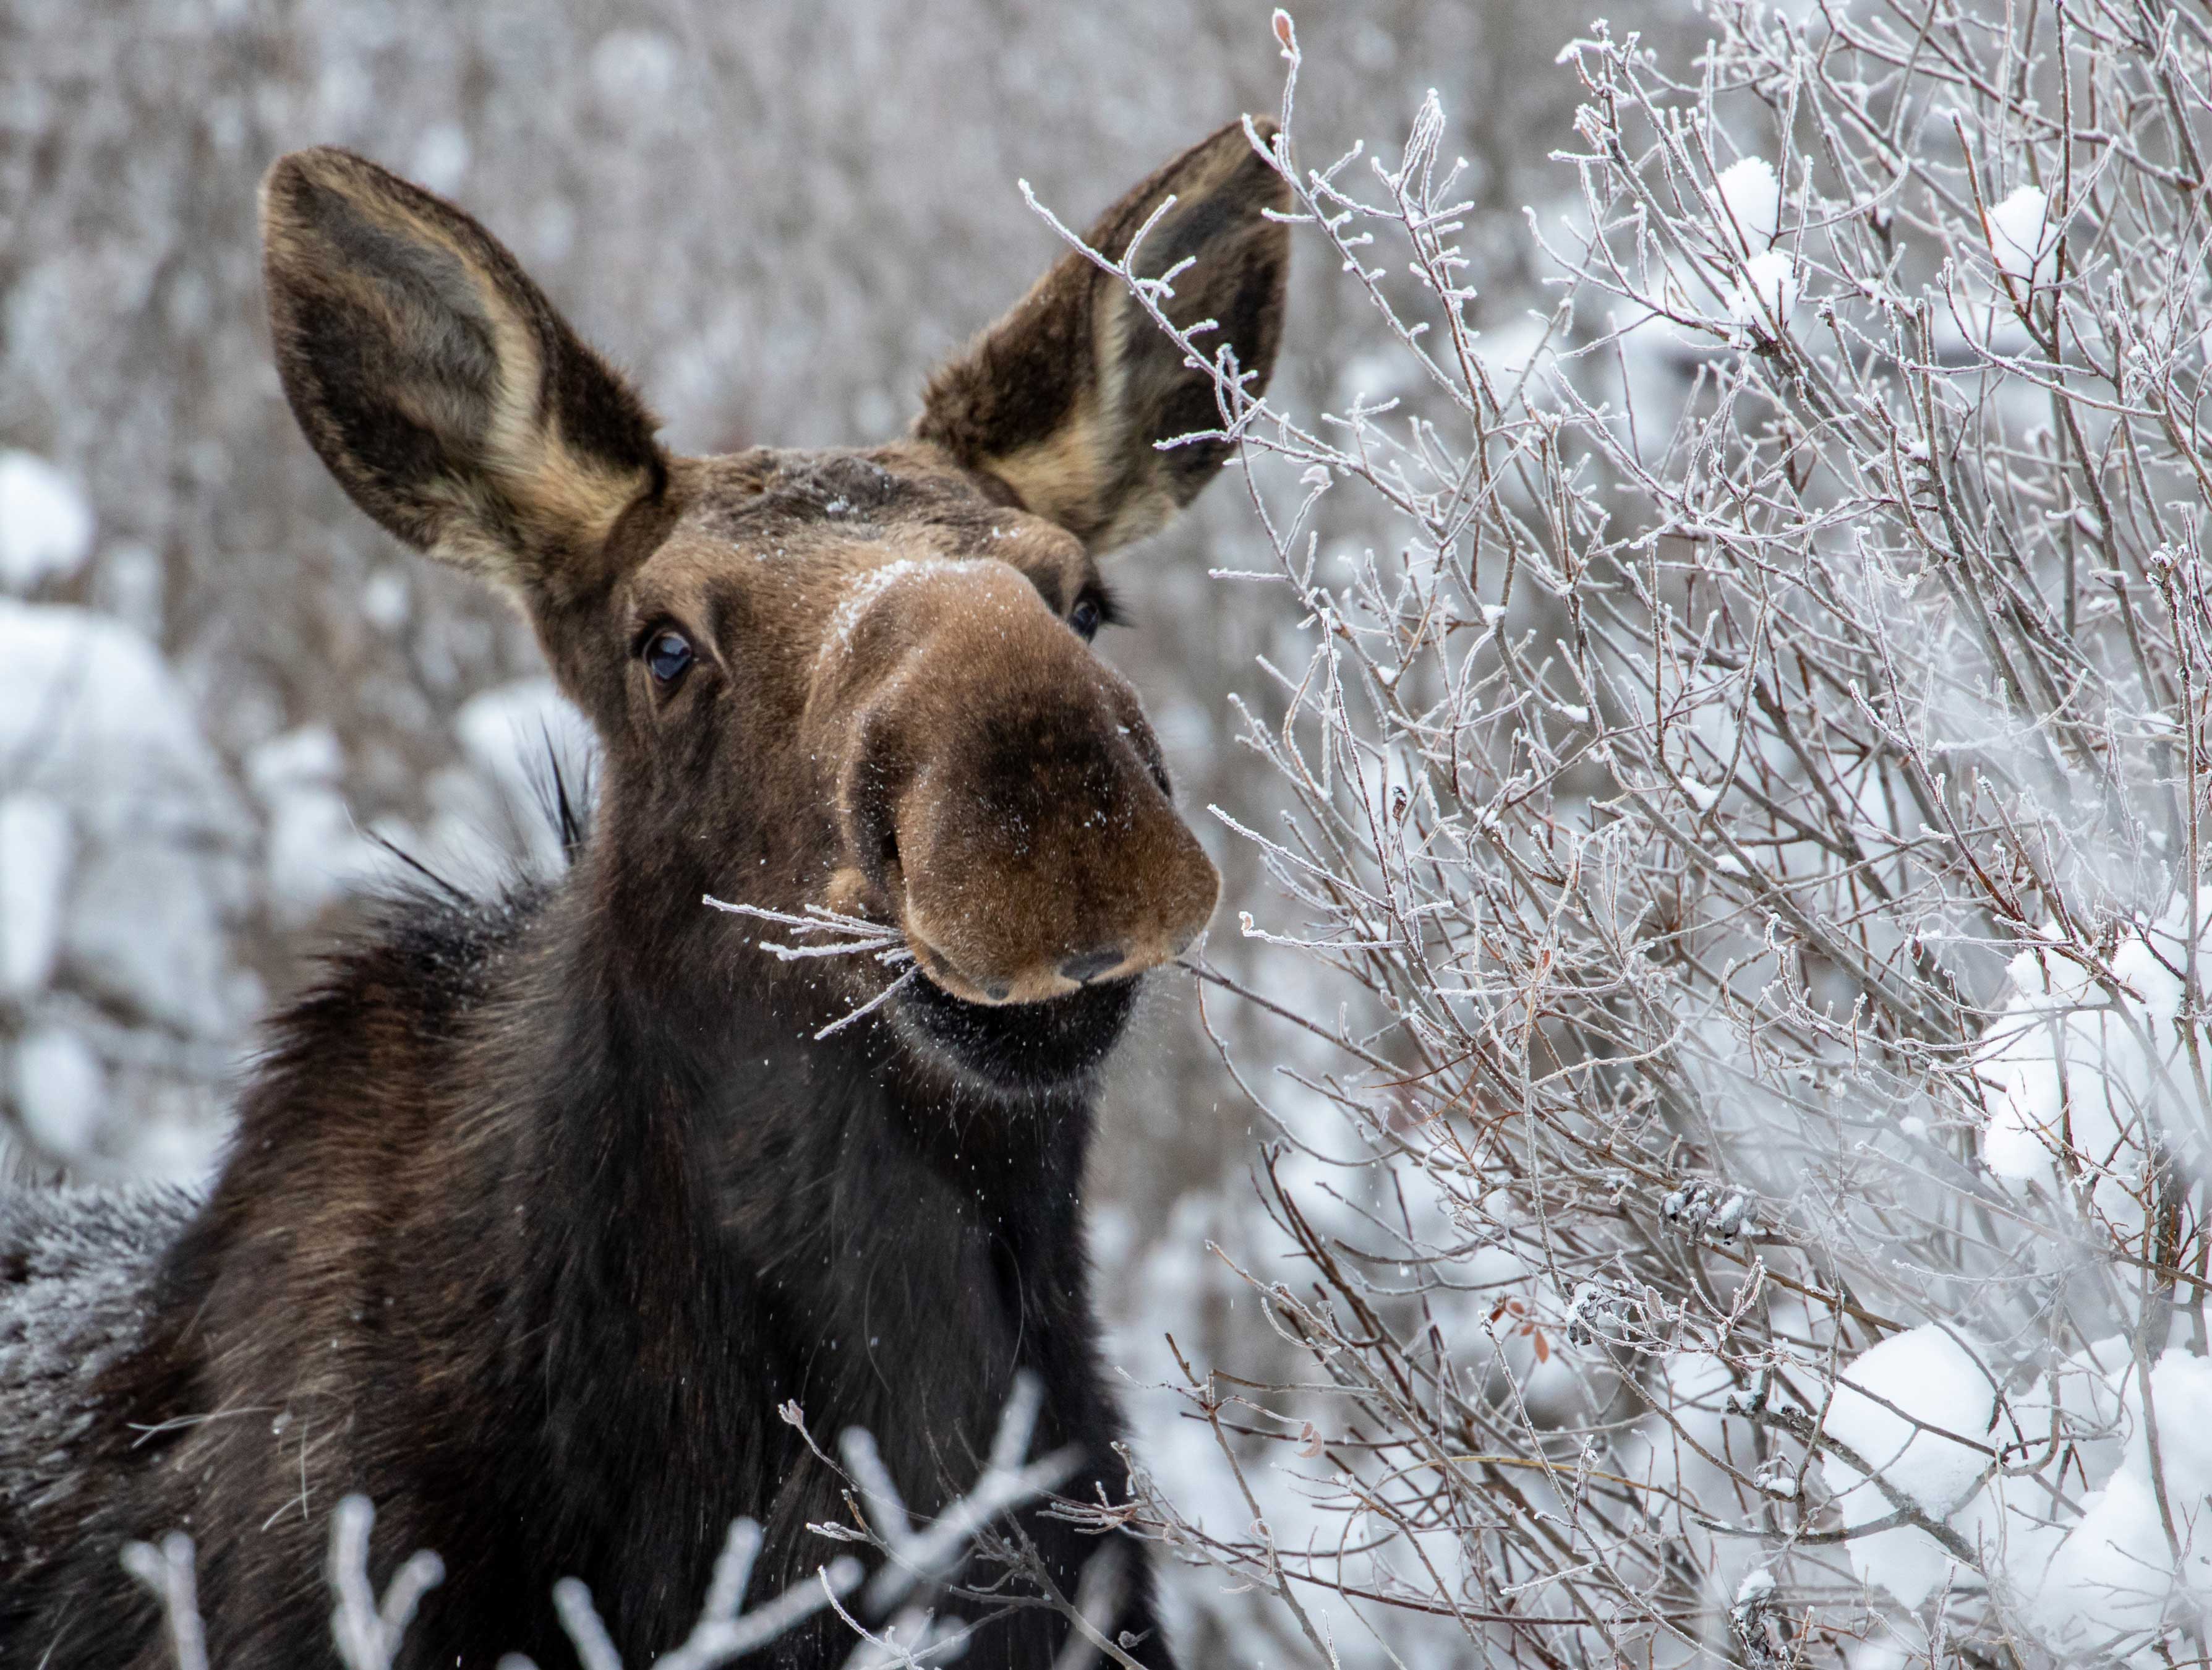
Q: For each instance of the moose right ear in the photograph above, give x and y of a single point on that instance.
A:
(1067, 399)
(438, 384)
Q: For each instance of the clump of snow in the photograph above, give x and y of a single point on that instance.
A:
(1753, 199)
(1917, 1409)
(1768, 292)
(77, 687)
(2069, 1529)
(61, 1091)
(46, 523)
(161, 840)
(2022, 242)
(2116, 1574)
(1509, 349)
(145, 932)
(2074, 1074)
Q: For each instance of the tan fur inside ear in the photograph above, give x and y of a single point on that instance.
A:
(1067, 397)
(538, 493)
(439, 385)
(1071, 469)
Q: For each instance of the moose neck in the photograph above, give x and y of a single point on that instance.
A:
(742, 1162)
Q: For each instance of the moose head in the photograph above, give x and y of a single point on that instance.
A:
(862, 681)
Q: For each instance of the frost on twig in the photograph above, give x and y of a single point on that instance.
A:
(723, 1630)
(915, 1559)
(366, 1632)
(166, 1569)
(846, 936)
(1733, 1022)
(919, 1562)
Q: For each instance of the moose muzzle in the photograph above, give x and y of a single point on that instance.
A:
(1000, 791)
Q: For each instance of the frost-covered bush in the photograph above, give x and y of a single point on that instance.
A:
(1739, 788)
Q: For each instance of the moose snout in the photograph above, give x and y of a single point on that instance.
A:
(1006, 797)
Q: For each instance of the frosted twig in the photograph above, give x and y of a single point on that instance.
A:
(368, 1634)
(167, 1570)
(722, 1632)
(857, 934)
(868, 1008)
(931, 1554)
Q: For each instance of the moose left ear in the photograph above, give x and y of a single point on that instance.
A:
(438, 383)
(1065, 397)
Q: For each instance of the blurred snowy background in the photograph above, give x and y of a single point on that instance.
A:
(221, 687)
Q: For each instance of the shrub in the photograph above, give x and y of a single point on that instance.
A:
(1739, 798)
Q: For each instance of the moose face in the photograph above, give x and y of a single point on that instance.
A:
(859, 681)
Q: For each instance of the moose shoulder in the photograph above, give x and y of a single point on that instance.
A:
(538, 1208)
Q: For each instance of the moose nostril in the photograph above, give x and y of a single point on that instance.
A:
(1090, 965)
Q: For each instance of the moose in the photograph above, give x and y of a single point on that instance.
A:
(538, 1207)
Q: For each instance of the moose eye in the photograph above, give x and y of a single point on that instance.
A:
(668, 657)
(1088, 615)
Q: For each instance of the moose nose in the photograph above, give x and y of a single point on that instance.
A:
(1007, 885)
(1004, 794)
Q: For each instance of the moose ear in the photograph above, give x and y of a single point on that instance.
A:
(1064, 399)
(439, 385)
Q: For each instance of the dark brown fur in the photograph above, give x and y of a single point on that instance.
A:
(538, 1208)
